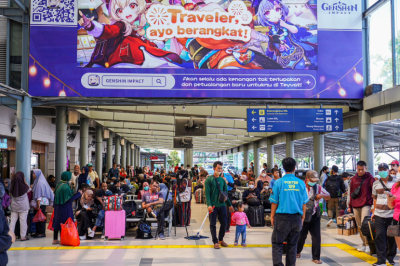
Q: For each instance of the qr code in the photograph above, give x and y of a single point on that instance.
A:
(53, 12)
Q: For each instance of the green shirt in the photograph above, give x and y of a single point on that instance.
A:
(212, 192)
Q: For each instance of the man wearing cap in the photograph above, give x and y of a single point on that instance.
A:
(395, 165)
(315, 193)
(93, 177)
(383, 216)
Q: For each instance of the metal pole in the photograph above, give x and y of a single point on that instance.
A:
(117, 149)
(289, 145)
(245, 156)
(23, 146)
(128, 154)
(344, 161)
(133, 155)
(319, 151)
(84, 142)
(99, 151)
(270, 153)
(123, 155)
(394, 41)
(256, 159)
(110, 152)
(61, 141)
(366, 140)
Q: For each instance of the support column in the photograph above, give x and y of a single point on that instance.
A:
(270, 153)
(165, 164)
(128, 154)
(245, 156)
(256, 159)
(189, 157)
(319, 151)
(84, 142)
(109, 152)
(99, 152)
(123, 155)
(133, 155)
(117, 149)
(344, 161)
(61, 141)
(289, 145)
(23, 141)
(366, 140)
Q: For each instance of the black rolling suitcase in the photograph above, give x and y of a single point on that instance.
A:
(369, 231)
(256, 216)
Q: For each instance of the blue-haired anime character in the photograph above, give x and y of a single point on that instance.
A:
(289, 46)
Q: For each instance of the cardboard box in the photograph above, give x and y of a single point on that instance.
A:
(347, 232)
(48, 217)
(346, 221)
(49, 209)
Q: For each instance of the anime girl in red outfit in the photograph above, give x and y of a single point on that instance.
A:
(122, 43)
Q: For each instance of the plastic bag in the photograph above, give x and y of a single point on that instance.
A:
(50, 226)
(39, 217)
(69, 234)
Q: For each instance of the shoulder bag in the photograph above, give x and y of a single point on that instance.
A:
(393, 229)
(357, 191)
(223, 196)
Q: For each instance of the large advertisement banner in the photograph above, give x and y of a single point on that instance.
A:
(196, 48)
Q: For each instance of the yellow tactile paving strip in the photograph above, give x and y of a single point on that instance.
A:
(349, 249)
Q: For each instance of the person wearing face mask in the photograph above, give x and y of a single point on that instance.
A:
(251, 196)
(361, 203)
(392, 175)
(312, 222)
(264, 195)
(264, 177)
(144, 190)
(74, 178)
(335, 186)
(383, 216)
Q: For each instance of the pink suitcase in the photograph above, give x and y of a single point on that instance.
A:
(114, 224)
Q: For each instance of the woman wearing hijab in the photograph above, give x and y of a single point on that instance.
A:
(83, 177)
(19, 204)
(42, 197)
(85, 215)
(64, 196)
(144, 190)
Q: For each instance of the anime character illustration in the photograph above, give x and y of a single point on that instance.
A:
(208, 53)
(94, 80)
(291, 46)
(122, 43)
(54, 4)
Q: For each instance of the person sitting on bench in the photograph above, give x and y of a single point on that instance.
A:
(153, 199)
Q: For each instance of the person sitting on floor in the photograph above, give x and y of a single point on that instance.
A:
(152, 200)
(84, 214)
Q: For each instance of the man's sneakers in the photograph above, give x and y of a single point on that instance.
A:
(102, 236)
(379, 264)
(82, 237)
(367, 250)
(391, 263)
(361, 249)
(331, 221)
(324, 214)
(161, 237)
(91, 232)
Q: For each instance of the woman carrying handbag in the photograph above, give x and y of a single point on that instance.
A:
(394, 203)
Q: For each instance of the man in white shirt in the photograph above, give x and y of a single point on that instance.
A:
(75, 174)
(93, 176)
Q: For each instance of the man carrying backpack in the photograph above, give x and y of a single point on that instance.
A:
(335, 186)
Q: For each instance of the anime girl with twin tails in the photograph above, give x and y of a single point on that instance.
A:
(122, 42)
(290, 46)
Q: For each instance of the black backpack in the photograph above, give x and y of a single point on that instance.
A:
(332, 186)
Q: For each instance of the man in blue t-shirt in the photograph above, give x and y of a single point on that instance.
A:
(288, 207)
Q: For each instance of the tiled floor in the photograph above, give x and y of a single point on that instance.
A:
(112, 253)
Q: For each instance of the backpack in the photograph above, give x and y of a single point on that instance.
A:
(6, 200)
(332, 186)
(311, 204)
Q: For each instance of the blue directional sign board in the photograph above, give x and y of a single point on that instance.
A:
(294, 120)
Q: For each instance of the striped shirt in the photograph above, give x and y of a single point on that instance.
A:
(381, 207)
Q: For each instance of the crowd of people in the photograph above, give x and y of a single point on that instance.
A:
(296, 204)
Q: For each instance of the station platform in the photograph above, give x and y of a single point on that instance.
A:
(175, 250)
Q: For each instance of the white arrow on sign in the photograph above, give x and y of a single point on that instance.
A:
(336, 119)
(254, 127)
(337, 127)
(336, 112)
(253, 119)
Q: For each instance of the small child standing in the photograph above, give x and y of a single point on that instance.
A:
(241, 221)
